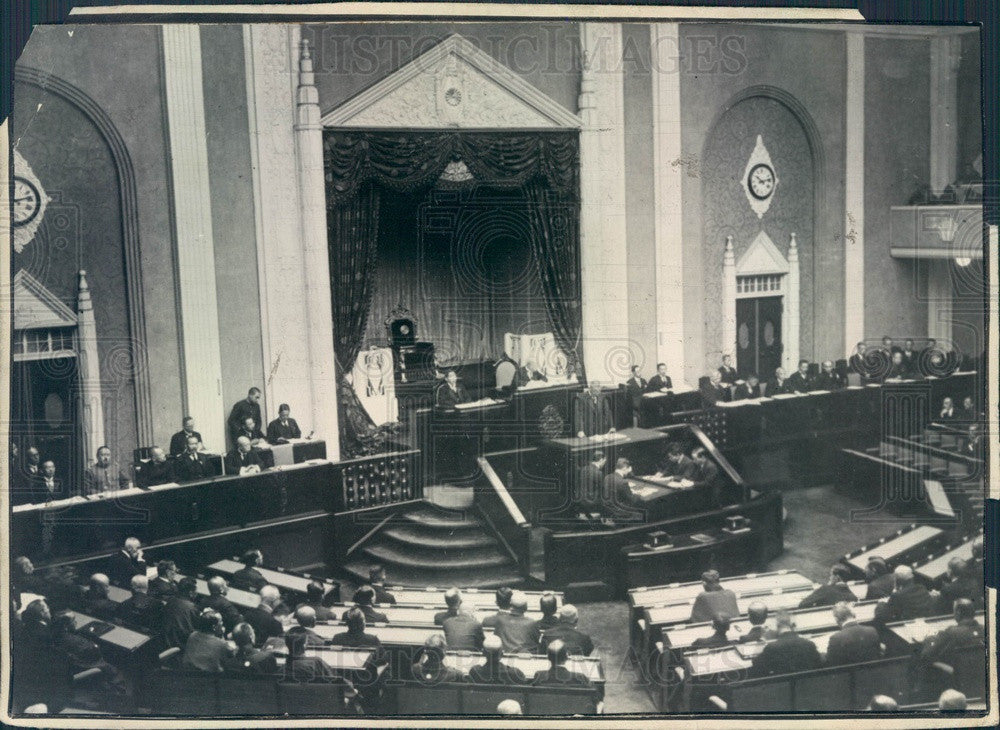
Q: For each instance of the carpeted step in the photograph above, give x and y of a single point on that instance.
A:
(442, 519)
(442, 560)
(419, 536)
(493, 578)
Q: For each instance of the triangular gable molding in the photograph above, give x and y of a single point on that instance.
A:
(453, 85)
(35, 307)
(763, 257)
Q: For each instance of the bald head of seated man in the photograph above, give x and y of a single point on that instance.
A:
(216, 600)
(493, 670)
(262, 618)
(558, 673)
(574, 641)
(909, 599)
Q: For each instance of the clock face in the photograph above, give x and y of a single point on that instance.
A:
(27, 201)
(760, 181)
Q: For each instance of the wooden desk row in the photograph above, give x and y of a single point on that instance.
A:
(936, 568)
(472, 598)
(901, 547)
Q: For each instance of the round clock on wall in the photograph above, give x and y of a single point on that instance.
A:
(760, 181)
(27, 201)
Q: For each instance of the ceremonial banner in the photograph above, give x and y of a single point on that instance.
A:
(373, 384)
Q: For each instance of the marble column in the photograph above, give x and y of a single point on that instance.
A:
(791, 350)
(199, 311)
(607, 353)
(946, 52)
(729, 300)
(854, 195)
(89, 373)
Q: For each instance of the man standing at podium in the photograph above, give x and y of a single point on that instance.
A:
(592, 413)
(452, 392)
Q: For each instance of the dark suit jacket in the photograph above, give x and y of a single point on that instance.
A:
(561, 676)
(745, 392)
(710, 394)
(348, 638)
(309, 669)
(880, 587)
(371, 615)
(953, 641)
(775, 388)
(448, 398)
(39, 493)
(178, 620)
(498, 673)
(241, 412)
(705, 474)
(913, 601)
(962, 587)
(152, 473)
(592, 414)
(577, 642)
(253, 434)
(682, 469)
(178, 442)
(312, 638)
(756, 633)
(518, 633)
(615, 484)
(634, 390)
(827, 595)
(251, 662)
(141, 610)
(383, 596)
(276, 431)
(728, 375)
(122, 567)
(264, 624)
(102, 608)
(709, 603)
(656, 384)
(248, 578)
(829, 381)
(463, 632)
(712, 641)
(161, 588)
(187, 469)
(799, 383)
(853, 644)
(591, 482)
(789, 652)
(236, 460)
(226, 608)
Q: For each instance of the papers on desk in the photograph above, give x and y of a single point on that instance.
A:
(783, 396)
(481, 403)
(605, 437)
(658, 394)
(50, 505)
(643, 491)
(167, 485)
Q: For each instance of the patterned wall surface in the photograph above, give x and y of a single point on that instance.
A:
(727, 212)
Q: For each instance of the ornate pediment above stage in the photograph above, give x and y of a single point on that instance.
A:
(454, 84)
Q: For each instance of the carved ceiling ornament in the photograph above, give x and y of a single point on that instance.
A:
(453, 85)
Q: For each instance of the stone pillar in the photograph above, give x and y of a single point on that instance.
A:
(667, 179)
(199, 311)
(603, 261)
(319, 311)
(791, 358)
(854, 195)
(89, 373)
(946, 52)
(940, 300)
(729, 300)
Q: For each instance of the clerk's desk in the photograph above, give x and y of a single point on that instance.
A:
(656, 407)
(293, 451)
(934, 570)
(472, 598)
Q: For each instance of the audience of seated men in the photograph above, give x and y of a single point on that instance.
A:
(179, 441)
(909, 599)
(502, 597)
(284, 427)
(718, 637)
(157, 470)
(828, 378)
(714, 599)
(248, 577)
(104, 475)
(179, 613)
(206, 648)
(128, 561)
(249, 407)
(493, 670)
(517, 632)
(243, 459)
(800, 381)
(364, 597)
(851, 643)
(757, 616)
(314, 600)
(833, 591)
(778, 384)
(574, 641)
(108, 691)
(430, 667)
(216, 599)
(95, 599)
(879, 578)
(305, 622)
(261, 617)
(461, 630)
(788, 653)
(193, 464)
(376, 579)
(748, 389)
(140, 609)
(248, 659)
(558, 673)
(965, 635)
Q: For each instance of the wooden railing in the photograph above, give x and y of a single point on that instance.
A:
(378, 480)
(502, 513)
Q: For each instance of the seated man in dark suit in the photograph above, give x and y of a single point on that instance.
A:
(243, 459)
(713, 390)
(748, 389)
(557, 673)
(757, 616)
(164, 584)
(852, 643)
(616, 484)
(714, 599)
(800, 382)
(548, 605)
(889, 347)
(314, 599)
(910, 356)
(46, 486)
(897, 367)
(284, 427)
(155, 471)
(909, 599)
(676, 465)
(517, 631)
(727, 373)
(179, 441)
(502, 598)
(778, 385)
(856, 362)
(127, 562)
(828, 378)
(966, 635)
(833, 591)
(527, 373)
(451, 393)
(661, 382)
(248, 577)
(376, 579)
(720, 627)
(948, 411)
(492, 670)
(248, 659)
(788, 653)
(879, 578)
(364, 597)
(302, 667)
(216, 600)
(575, 642)
(956, 584)
(261, 618)
(356, 636)
(141, 610)
(206, 647)
(179, 613)
(250, 431)
(704, 472)
(305, 620)
(968, 412)
(461, 630)
(104, 475)
(192, 465)
(430, 667)
(95, 599)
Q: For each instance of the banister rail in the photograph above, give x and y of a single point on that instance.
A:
(504, 516)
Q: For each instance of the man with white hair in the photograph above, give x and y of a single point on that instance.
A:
(127, 562)
(853, 643)
(217, 590)
(509, 707)
(576, 642)
(494, 671)
(517, 632)
(95, 599)
(243, 459)
(908, 600)
(155, 471)
(261, 618)
(951, 700)
(305, 618)
(141, 610)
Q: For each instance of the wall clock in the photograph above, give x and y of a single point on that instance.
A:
(27, 201)
(760, 181)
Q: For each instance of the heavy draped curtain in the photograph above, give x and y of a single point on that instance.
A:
(363, 166)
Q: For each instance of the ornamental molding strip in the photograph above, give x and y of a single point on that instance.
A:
(762, 257)
(453, 85)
